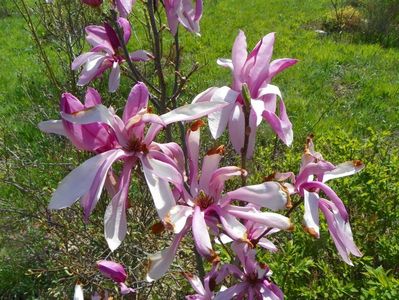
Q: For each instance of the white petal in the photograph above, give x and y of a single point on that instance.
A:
(345, 169)
(160, 191)
(78, 295)
(192, 111)
(178, 217)
(78, 182)
(311, 215)
(52, 126)
(218, 120)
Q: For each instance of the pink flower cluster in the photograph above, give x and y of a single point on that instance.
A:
(191, 197)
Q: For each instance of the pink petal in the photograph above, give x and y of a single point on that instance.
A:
(112, 270)
(140, 55)
(126, 28)
(125, 289)
(92, 97)
(218, 178)
(136, 101)
(239, 56)
(195, 283)
(115, 225)
(279, 65)
(77, 183)
(280, 125)
(97, 36)
(268, 194)
(192, 142)
(330, 194)
(90, 71)
(124, 7)
(256, 68)
(82, 59)
(205, 96)
(114, 77)
(200, 234)
(209, 164)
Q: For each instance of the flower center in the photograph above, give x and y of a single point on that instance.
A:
(203, 200)
(135, 145)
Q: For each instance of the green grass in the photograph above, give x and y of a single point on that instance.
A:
(346, 94)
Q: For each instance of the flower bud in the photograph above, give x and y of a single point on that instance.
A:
(112, 270)
(246, 95)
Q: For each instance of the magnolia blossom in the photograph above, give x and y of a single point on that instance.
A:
(105, 54)
(128, 144)
(124, 7)
(201, 204)
(116, 272)
(185, 13)
(256, 71)
(313, 175)
(253, 278)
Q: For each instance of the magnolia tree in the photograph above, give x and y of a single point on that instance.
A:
(188, 191)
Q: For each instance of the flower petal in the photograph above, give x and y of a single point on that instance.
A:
(311, 215)
(269, 219)
(53, 126)
(112, 270)
(178, 217)
(192, 111)
(268, 194)
(345, 169)
(136, 101)
(218, 120)
(79, 181)
(114, 77)
(115, 224)
(200, 234)
(160, 191)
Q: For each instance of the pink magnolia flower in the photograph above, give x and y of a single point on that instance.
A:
(183, 12)
(105, 54)
(124, 7)
(131, 145)
(313, 175)
(253, 278)
(116, 272)
(201, 204)
(95, 137)
(256, 71)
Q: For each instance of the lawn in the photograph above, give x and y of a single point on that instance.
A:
(346, 93)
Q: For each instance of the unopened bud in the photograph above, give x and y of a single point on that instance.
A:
(246, 95)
